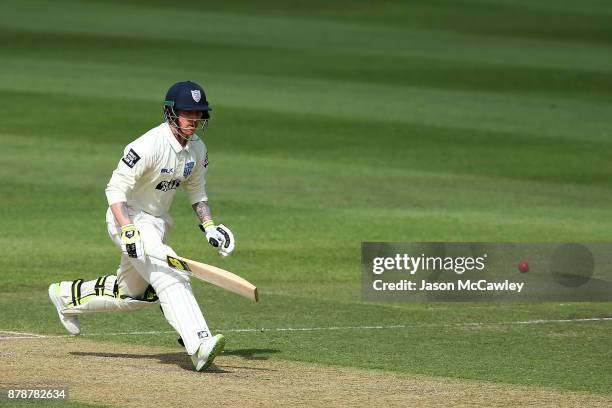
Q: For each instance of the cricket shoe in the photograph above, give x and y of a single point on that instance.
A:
(71, 323)
(207, 352)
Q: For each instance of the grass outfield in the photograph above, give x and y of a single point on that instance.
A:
(473, 120)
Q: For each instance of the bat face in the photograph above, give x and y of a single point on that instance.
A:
(216, 276)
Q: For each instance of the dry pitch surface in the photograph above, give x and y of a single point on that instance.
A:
(135, 376)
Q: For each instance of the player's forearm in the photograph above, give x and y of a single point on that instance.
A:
(203, 211)
(120, 211)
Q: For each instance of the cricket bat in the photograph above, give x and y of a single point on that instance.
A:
(216, 276)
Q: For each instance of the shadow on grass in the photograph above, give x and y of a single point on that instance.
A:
(181, 359)
(178, 359)
(251, 353)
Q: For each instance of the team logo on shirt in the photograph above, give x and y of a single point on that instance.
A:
(188, 169)
(196, 95)
(167, 170)
(168, 185)
(131, 158)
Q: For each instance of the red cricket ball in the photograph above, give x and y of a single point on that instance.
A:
(523, 266)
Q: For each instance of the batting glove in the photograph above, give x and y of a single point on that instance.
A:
(131, 244)
(219, 236)
(229, 244)
(214, 237)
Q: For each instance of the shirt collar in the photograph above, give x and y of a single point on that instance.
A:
(176, 146)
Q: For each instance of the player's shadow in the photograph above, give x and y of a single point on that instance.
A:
(251, 353)
(178, 359)
(181, 360)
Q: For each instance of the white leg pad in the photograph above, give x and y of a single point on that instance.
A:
(184, 314)
(100, 295)
(108, 304)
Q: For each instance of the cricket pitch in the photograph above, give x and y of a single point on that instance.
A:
(137, 376)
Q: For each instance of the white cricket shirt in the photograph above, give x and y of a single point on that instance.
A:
(153, 167)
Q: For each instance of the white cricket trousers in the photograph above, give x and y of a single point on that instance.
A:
(134, 277)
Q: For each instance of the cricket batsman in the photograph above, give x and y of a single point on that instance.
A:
(139, 196)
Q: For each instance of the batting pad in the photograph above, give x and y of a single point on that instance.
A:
(184, 315)
(101, 295)
(108, 304)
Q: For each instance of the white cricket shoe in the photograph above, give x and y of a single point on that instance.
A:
(207, 352)
(71, 323)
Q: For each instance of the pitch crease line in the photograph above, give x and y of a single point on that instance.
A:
(390, 327)
(22, 335)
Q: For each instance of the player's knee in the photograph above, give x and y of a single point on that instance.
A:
(165, 277)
